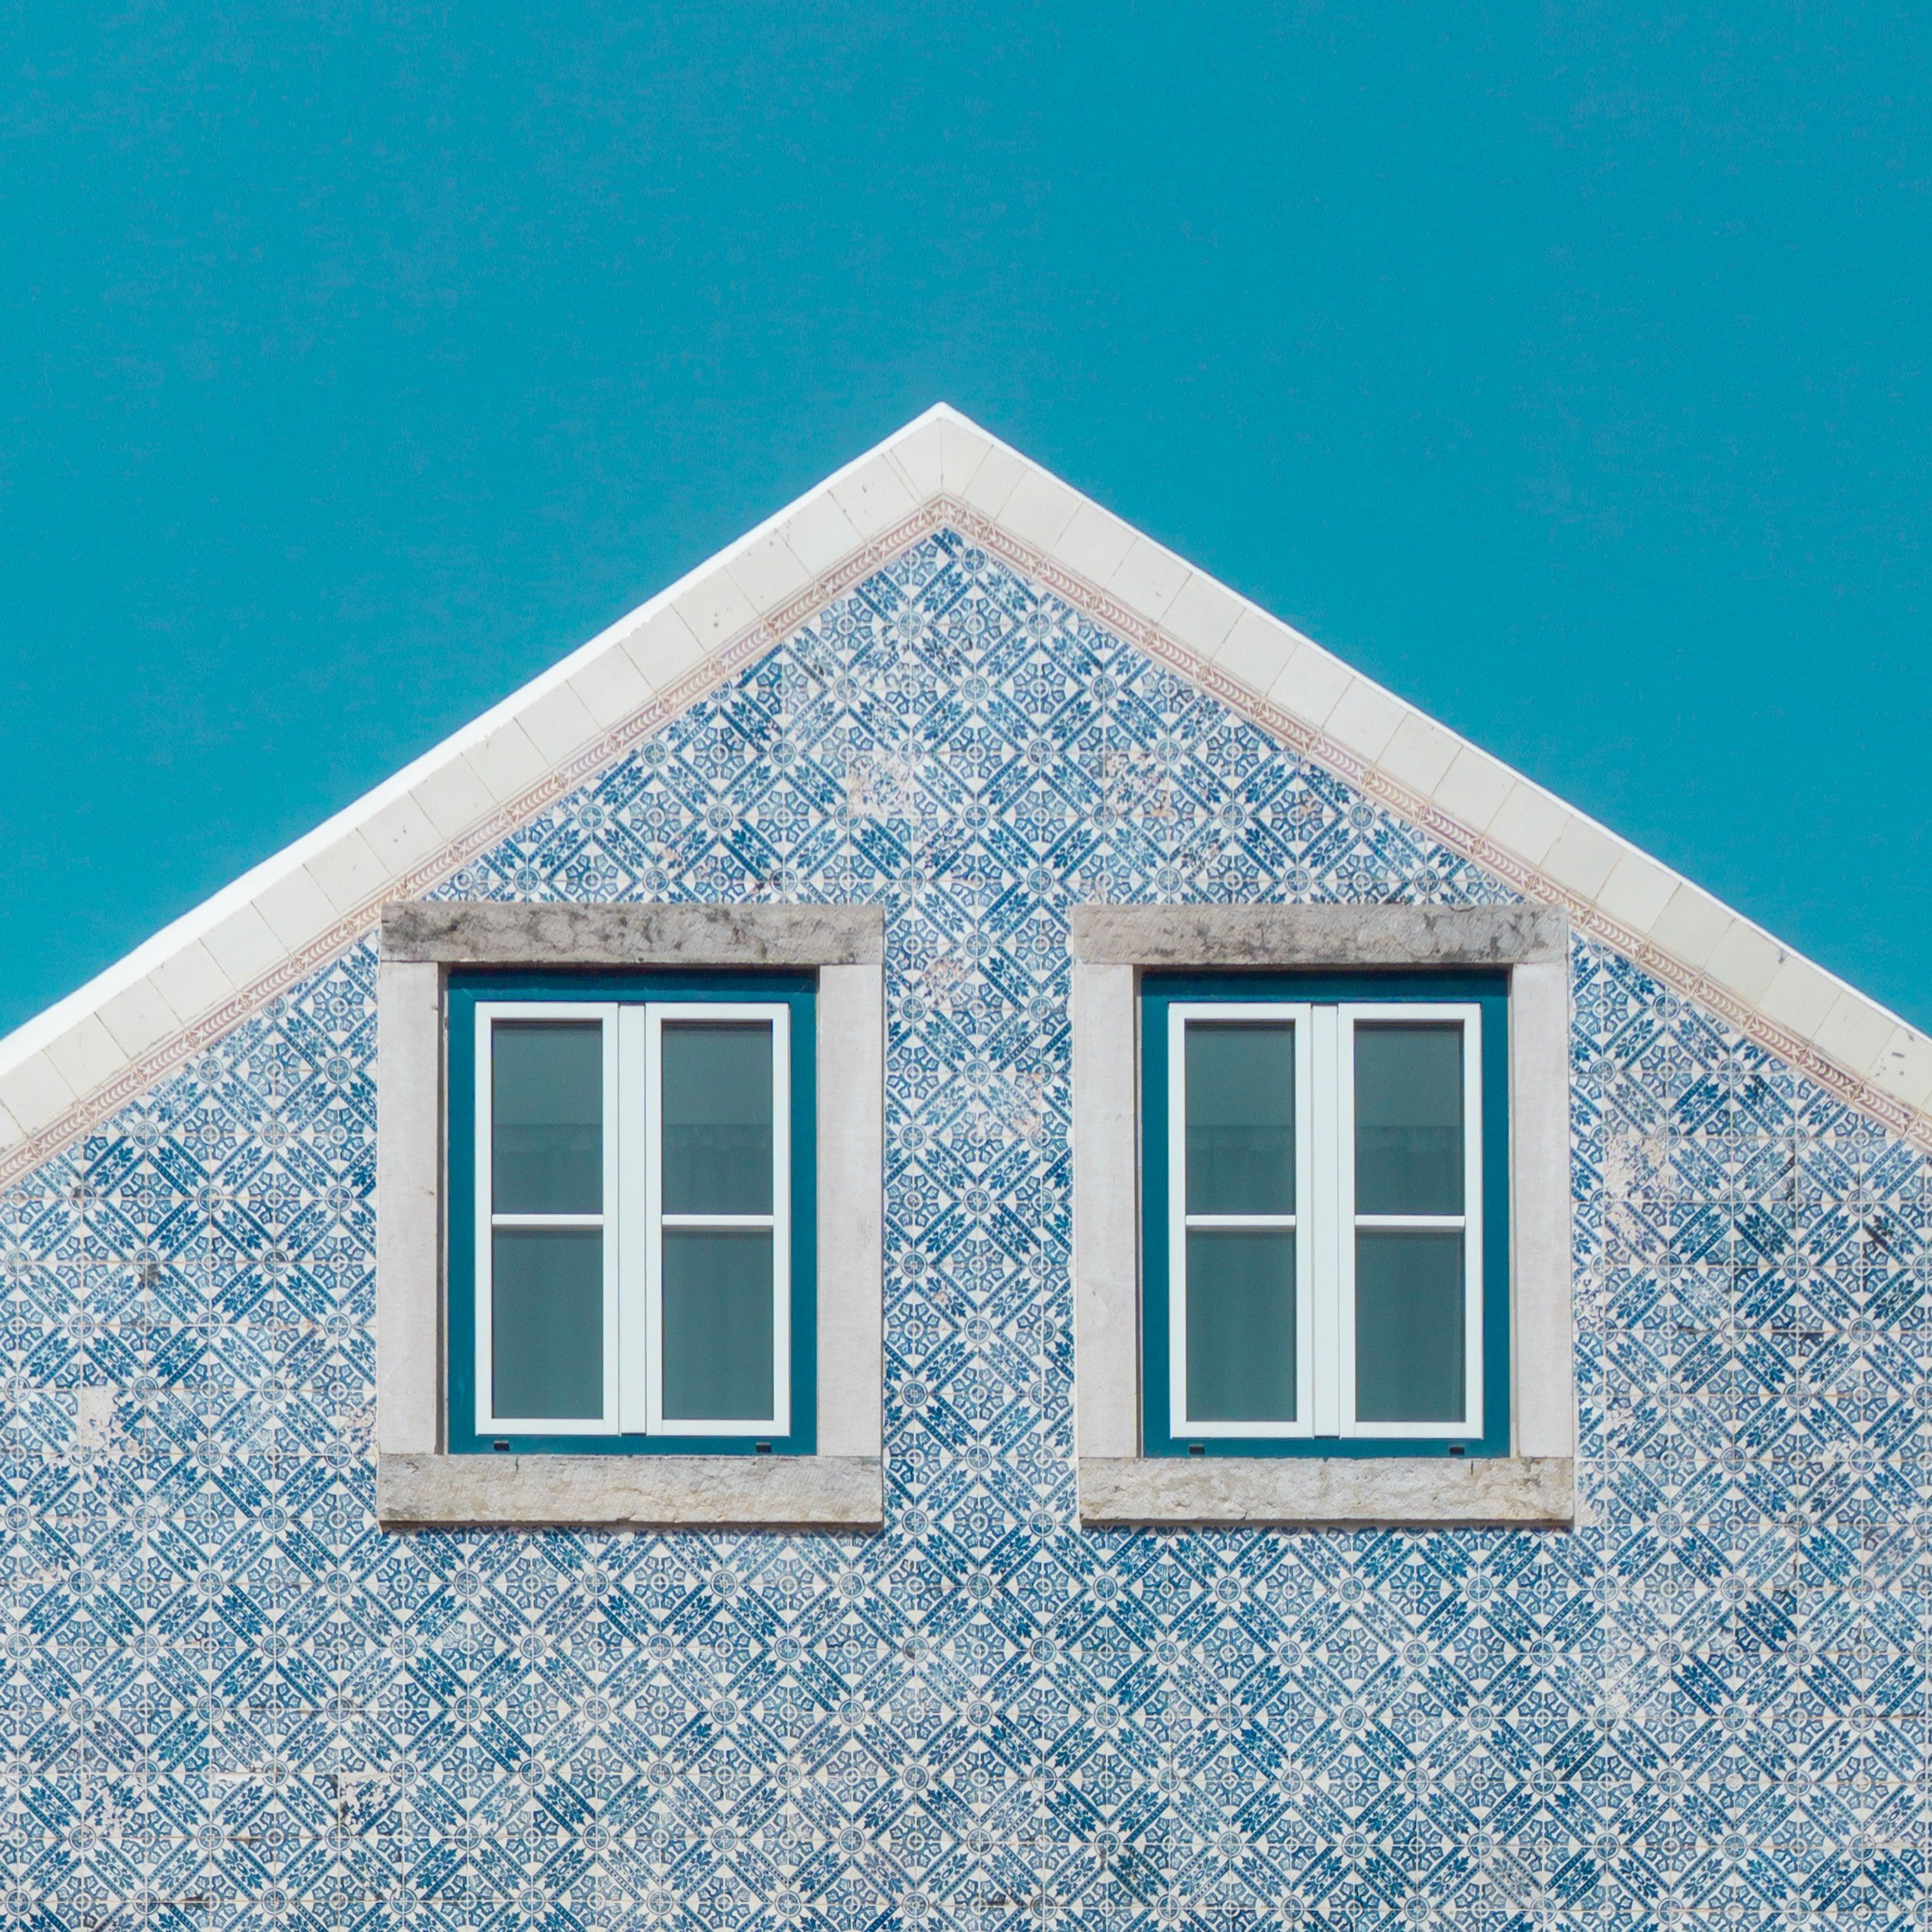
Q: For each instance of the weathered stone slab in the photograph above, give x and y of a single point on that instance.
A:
(489, 933)
(1316, 936)
(643, 1492)
(1332, 1492)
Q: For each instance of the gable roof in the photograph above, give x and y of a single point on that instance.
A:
(65, 1070)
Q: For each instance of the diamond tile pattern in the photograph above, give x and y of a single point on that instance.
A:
(231, 1701)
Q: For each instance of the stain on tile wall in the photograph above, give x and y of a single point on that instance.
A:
(231, 1700)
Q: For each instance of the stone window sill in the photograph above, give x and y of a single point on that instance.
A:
(423, 1492)
(1340, 1492)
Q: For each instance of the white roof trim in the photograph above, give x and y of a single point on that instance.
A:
(66, 1069)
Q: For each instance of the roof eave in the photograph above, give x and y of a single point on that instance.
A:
(72, 1065)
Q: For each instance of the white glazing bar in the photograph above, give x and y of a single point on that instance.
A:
(633, 1317)
(781, 1019)
(1468, 1223)
(653, 1225)
(1176, 1127)
(612, 1217)
(655, 1221)
(1307, 1218)
(1472, 1208)
(483, 1247)
(489, 1015)
(1326, 1217)
(1277, 1221)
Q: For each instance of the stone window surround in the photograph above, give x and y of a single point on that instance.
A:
(1534, 1486)
(417, 1484)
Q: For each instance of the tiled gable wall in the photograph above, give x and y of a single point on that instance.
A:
(231, 1701)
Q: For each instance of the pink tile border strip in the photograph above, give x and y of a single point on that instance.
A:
(765, 635)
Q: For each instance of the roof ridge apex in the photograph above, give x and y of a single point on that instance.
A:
(33, 1033)
(99, 1044)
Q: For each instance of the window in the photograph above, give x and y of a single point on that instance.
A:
(1320, 1237)
(634, 1277)
(630, 1216)
(1321, 1197)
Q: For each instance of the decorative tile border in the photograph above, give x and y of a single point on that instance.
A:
(746, 648)
(1534, 883)
(766, 633)
(230, 1691)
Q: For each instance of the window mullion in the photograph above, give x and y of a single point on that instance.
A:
(781, 1219)
(1474, 1327)
(654, 1217)
(1326, 1215)
(613, 1246)
(483, 1232)
(633, 1224)
(1176, 1130)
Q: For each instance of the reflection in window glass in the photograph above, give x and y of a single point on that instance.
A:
(717, 1118)
(1409, 1326)
(1240, 1117)
(718, 1315)
(1241, 1325)
(1408, 1150)
(546, 1342)
(547, 1117)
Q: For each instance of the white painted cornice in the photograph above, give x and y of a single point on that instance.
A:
(67, 1069)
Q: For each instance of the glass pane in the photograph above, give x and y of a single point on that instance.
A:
(1240, 1117)
(1408, 1119)
(718, 1316)
(547, 1117)
(1241, 1326)
(717, 1118)
(1409, 1327)
(546, 1329)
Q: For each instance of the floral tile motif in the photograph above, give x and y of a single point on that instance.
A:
(231, 1701)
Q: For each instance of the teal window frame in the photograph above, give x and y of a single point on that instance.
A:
(1160, 992)
(471, 988)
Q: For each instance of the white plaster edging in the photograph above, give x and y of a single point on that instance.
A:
(408, 1207)
(846, 944)
(1542, 1351)
(1111, 944)
(1106, 1212)
(70, 1066)
(851, 1210)
(1328, 1492)
(634, 1492)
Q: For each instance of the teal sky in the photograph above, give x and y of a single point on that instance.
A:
(1563, 366)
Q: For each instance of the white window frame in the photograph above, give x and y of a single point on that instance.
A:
(1348, 1223)
(645, 1360)
(1180, 1221)
(1326, 1221)
(633, 1220)
(489, 1014)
